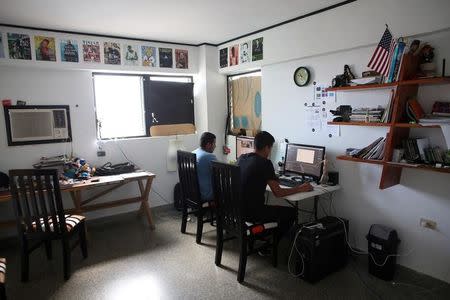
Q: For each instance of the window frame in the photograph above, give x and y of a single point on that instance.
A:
(229, 108)
(142, 75)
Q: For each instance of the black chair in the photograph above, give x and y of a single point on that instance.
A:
(40, 217)
(190, 190)
(231, 218)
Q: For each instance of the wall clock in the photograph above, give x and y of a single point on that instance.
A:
(302, 76)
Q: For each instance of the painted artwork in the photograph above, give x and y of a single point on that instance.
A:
(91, 51)
(130, 54)
(244, 51)
(2, 53)
(45, 48)
(148, 56)
(181, 59)
(69, 50)
(223, 57)
(19, 46)
(234, 55)
(112, 53)
(257, 49)
(165, 58)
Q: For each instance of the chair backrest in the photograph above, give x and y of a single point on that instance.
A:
(187, 172)
(37, 201)
(227, 192)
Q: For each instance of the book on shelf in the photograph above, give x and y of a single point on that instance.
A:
(441, 109)
(386, 117)
(373, 151)
(414, 110)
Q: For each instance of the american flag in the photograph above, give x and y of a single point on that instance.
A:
(382, 57)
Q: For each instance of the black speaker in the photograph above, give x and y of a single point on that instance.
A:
(333, 177)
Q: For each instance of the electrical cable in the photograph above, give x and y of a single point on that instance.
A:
(299, 253)
(365, 283)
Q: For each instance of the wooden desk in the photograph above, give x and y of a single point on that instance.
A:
(319, 190)
(144, 180)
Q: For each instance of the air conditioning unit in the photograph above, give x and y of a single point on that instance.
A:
(37, 124)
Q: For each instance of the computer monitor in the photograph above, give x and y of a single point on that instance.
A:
(244, 144)
(306, 160)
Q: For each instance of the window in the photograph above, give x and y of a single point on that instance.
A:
(244, 103)
(143, 105)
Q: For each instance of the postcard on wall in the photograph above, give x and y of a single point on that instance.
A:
(130, 54)
(257, 49)
(223, 57)
(91, 51)
(69, 50)
(2, 53)
(19, 46)
(234, 55)
(45, 48)
(165, 58)
(245, 50)
(148, 56)
(112, 53)
(181, 59)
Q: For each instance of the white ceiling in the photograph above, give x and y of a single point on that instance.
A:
(184, 21)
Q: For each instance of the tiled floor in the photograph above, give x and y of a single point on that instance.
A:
(129, 261)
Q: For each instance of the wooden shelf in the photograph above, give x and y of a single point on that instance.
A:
(363, 87)
(355, 159)
(419, 167)
(377, 124)
(426, 81)
(409, 125)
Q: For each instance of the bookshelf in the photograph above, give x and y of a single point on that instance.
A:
(399, 128)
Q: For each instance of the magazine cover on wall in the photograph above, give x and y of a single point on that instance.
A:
(165, 58)
(148, 56)
(234, 55)
(223, 57)
(112, 53)
(69, 50)
(91, 51)
(2, 53)
(45, 48)
(130, 53)
(181, 59)
(257, 49)
(245, 52)
(19, 46)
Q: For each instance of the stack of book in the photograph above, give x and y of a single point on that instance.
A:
(373, 151)
(415, 149)
(396, 62)
(367, 114)
(386, 117)
(434, 155)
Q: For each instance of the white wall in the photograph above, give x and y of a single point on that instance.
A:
(420, 193)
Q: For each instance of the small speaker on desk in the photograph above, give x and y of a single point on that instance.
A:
(333, 177)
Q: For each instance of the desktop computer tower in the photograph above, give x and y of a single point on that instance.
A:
(323, 247)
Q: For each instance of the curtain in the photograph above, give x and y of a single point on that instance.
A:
(245, 95)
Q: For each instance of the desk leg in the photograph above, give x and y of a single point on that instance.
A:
(144, 206)
(76, 198)
(316, 202)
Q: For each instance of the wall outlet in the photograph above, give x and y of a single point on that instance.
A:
(428, 223)
(101, 153)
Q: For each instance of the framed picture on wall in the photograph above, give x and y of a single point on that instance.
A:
(223, 57)
(257, 49)
(234, 55)
(45, 48)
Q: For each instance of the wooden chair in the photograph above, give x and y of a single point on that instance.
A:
(190, 190)
(41, 219)
(231, 218)
(2, 278)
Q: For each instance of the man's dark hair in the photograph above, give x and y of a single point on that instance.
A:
(263, 139)
(206, 138)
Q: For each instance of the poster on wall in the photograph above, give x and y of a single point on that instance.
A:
(91, 51)
(165, 58)
(19, 46)
(69, 50)
(223, 57)
(45, 48)
(245, 52)
(2, 53)
(130, 55)
(181, 59)
(257, 49)
(148, 56)
(112, 53)
(234, 55)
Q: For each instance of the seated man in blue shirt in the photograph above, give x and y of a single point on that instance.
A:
(204, 158)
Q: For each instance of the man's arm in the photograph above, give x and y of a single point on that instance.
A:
(280, 192)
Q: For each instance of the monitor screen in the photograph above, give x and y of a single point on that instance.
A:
(244, 144)
(304, 159)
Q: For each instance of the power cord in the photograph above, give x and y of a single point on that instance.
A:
(299, 253)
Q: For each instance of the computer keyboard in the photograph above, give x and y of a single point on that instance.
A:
(289, 182)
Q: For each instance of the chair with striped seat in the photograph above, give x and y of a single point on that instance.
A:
(41, 219)
(231, 218)
(2, 278)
